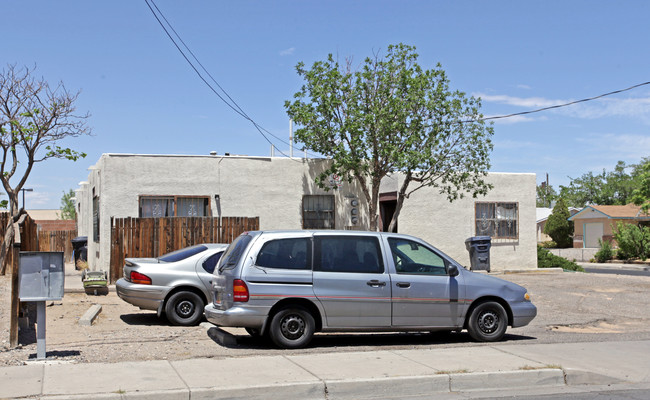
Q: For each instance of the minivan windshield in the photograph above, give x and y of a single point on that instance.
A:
(182, 253)
(234, 252)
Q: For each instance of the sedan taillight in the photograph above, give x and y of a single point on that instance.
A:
(240, 291)
(142, 279)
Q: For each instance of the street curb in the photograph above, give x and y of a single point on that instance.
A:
(575, 377)
(377, 388)
(89, 316)
(537, 271)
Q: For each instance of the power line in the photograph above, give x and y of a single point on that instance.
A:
(230, 102)
(562, 105)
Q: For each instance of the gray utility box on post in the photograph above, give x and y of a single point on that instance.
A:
(41, 278)
(479, 252)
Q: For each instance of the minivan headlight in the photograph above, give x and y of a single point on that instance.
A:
(526, 296)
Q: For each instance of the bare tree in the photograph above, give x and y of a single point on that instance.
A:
(34, 118)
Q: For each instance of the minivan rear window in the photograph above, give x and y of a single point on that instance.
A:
(182, 253)
(348, 254)
(285, 253)
(234, 252)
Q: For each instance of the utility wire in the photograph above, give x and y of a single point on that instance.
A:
(562, 105)
(230, 102)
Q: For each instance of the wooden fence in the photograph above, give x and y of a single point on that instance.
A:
(34, 239)
(153, 237)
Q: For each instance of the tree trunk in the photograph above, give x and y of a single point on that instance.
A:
(392, 227)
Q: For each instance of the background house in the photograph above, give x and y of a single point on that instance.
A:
(542, 216)
(282, 193)
(594, 223)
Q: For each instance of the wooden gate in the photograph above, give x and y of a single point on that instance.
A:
(153, 237)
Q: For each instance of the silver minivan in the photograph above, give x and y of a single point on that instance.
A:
(290, 284)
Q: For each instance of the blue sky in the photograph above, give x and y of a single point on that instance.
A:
(516, 55)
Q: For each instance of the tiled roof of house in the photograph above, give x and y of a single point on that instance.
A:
(626, 211)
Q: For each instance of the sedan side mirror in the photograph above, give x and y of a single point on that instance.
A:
(453, 270)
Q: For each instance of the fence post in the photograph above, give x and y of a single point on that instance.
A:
(15, 301)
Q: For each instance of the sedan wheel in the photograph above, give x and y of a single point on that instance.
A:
(184, 308)
(488, 322)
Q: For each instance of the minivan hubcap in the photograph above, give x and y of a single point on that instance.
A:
(185, 308)
(488, 321)
(293, 326)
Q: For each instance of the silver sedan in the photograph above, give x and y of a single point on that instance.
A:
(176, 284)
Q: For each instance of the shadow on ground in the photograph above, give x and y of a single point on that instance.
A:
(351, 340)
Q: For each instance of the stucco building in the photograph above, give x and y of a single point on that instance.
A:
(282, 193)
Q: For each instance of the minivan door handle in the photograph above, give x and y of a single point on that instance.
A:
(375, 283)
(403, 284)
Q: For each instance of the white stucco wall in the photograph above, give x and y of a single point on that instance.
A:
(429, 215)
(272, 189)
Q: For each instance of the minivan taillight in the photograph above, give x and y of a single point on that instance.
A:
(142, 279)
(239, 291)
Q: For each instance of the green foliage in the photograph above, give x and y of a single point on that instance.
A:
(4, 204)
(633, 241)
(605, 252)
(558, 227)
(548, 244)
(545, 195)
(607, 188)
(392, 116)
(545, 259)
(641, 195)
(67, 206)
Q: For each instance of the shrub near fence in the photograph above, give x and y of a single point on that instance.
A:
(153, 237)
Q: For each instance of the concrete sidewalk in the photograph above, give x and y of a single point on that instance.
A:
(452, 373)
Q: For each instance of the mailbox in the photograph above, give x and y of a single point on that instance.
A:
(41, 276)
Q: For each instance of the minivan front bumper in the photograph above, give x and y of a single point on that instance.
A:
(522, 313)
(237, 316)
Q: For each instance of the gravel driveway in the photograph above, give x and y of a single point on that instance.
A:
(572, 307)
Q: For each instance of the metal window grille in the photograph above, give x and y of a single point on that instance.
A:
(318, 212)
(498, 220)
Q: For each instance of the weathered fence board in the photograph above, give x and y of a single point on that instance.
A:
(153, 237)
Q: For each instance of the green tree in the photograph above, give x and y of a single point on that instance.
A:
(641, 194)
(34, 118)
(545, 195)
(607, 188)
(392, 116)
(67, 206)
(558, 227)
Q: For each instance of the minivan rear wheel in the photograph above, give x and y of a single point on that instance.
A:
(292, 327)
(488, 322)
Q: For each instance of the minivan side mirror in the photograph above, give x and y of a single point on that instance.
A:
(453, 270)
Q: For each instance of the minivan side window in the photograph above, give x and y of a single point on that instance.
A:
(347, 254)
(412, 258)
(285, 253)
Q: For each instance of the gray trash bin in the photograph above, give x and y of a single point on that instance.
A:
(479, 252)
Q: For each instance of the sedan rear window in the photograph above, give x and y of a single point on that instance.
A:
(182, 253)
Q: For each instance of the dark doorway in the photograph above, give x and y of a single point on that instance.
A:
(387, 206)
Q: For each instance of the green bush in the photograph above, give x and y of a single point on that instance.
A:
(545, 259)
(558, 226)
(548, 244)
(605, 253)
(633, 241)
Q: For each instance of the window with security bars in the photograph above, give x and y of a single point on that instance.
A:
(318, 212)
(500, 220)
(174, 206)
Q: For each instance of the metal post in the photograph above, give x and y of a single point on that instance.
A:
(40, 330)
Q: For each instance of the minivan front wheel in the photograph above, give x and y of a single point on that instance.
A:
(292, 327)
(488, 322)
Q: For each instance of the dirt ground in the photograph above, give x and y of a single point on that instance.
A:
(572, 307)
